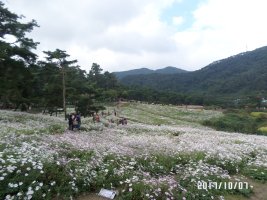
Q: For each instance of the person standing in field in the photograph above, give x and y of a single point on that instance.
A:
(70, 121)
(96, 117)
(78, 118)
(75, 121)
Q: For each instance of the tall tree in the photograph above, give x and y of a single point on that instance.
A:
(110, 81)
(48, 85)
(95, 74)
(58, 58)
(15, 57)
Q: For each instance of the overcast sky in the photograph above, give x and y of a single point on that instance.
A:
(128, 34)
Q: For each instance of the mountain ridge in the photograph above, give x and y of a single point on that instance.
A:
(244, 73)
(144, 70)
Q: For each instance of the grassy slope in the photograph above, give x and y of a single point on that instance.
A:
(242, 121)
(164, 115)
(142, 133)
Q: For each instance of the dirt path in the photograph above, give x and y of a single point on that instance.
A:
(259, 189)
(91, 197)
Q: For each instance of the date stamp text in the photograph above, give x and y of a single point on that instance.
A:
(203, 185)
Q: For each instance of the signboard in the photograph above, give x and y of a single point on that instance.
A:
(107, 193)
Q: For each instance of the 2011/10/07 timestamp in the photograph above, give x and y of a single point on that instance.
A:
(203, 185)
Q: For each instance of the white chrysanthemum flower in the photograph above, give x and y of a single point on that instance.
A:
(19, 194)
(30, 192)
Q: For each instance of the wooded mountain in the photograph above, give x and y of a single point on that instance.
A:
(242, 74)
(166, 70)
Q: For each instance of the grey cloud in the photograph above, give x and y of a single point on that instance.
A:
(86, 23)
(62, 19)
(135, 43)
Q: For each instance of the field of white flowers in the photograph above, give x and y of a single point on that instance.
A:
(162, 153)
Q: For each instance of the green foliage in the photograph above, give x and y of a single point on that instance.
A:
(161, 164)
(76, 173)
(241, 74)
(258, 173)
(262, 130)
(86, 105)
(230, 166)
(56, 129)
(29, 176)
(235, 121)
(260, 115)
(154, 96)
(71, 153)
(50, 84)
(16, 84)
(261, 119)
(25, 131)
(139, 191)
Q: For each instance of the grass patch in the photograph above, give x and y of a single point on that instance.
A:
(56, 129)
(239, 121)
(257, 173)
(263, 130)
(259, 114)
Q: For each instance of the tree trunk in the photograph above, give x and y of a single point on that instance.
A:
(17, 106)
(64, 92)
(44, 109)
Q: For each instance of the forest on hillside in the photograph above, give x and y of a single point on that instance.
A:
(52, 83)
(243, 76)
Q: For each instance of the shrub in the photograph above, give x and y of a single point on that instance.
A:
(263, 130)
(262, 115)
(235, 122)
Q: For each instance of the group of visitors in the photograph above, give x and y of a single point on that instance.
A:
(122, 121)
(74, 121)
